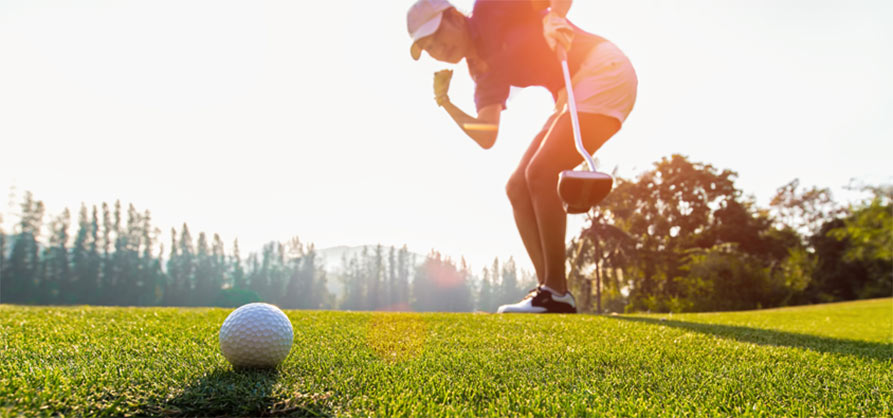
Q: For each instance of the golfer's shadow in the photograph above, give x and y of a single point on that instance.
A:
(242, 392)
(869, 350)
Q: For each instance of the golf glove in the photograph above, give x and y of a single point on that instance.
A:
(442, 86)
(557, 31)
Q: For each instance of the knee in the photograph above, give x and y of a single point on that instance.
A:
(516, 187)
(540, 178)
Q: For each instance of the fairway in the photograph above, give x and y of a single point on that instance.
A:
(830, 360)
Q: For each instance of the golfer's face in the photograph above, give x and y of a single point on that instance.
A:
(446, 44)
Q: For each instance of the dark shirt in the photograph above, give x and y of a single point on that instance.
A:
(512, 51)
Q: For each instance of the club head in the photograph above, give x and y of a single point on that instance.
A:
(581, 190)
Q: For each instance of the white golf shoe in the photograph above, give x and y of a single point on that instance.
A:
(540, 300)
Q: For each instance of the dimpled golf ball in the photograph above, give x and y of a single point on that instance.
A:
(256, 335)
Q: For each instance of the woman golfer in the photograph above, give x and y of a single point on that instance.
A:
(514, 43)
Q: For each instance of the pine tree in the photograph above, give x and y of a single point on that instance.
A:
(439, 286)
(298, 284)
(130, 279)
(204, 272)
(220, 276)
(369, 278)
(320, 296)
(75, 290)
(186, 267)
(20, 280)
(149, 266)
(508, 288)
(422, 284)
(391, 292)
(55, 262)
(91, 278)
(405, 264)
(114, 268)
(253, 272)
(485, 298)
(354, 286)
(237, 278)
(173, 285)
(377, 273)
(269, 282)
(106, 275)
(465, 298)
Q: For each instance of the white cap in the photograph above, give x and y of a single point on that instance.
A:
(423, 19)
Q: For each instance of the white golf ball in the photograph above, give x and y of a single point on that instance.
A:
(256, 335)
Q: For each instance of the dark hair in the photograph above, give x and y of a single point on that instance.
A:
(456, 17)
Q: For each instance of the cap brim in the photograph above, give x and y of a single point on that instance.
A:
(415, 51)
(425, 30)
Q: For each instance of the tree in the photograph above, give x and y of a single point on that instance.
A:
(405, 264)
(75, 289)
(373, 267)
(20, 280)
(269, 282)
(238, 278)
(667, 210)
(252, 272)
(186, 264)
(301, 269)
(204, 273)
(353, 285)
(598, 249)
(485, 296)
(151, 274)
(439, 286)
(91, 279)
(219, 265)
(55, 263)
(130, 276)
(868, 233)
(508, 286)
(173, 283)
(105, 292)
(721, 279)
(804, 210)
(391, 299)
(319, 296)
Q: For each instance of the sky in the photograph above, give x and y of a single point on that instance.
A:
(265, 120)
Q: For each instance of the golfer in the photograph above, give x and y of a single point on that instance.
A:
(515, 43)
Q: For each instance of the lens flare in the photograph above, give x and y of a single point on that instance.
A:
(396, 337)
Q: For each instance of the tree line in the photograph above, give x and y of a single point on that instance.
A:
(116, 257)
(681, 237)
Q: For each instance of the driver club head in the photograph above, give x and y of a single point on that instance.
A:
(581, 190)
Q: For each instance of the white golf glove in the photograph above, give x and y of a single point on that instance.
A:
(557, 31)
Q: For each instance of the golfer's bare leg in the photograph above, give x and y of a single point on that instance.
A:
(556, 153)
(522, 205)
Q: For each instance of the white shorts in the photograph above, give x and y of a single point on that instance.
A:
(605, 84)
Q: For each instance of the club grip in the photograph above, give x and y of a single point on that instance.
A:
(562, 53)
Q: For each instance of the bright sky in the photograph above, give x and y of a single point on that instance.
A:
(266, 120)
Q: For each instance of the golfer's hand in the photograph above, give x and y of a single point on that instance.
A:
(557, 31)
(442, 86)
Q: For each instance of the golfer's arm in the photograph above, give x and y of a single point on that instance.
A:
(482, 129)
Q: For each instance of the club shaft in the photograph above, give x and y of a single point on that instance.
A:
(575, 122)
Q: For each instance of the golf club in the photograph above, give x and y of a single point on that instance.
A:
(580, 190)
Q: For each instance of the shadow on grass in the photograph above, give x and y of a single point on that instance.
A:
(243, 392)
(870, 350)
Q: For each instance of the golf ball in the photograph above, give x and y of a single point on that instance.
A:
(256, 335)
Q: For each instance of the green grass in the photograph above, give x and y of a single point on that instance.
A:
(829, 360)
